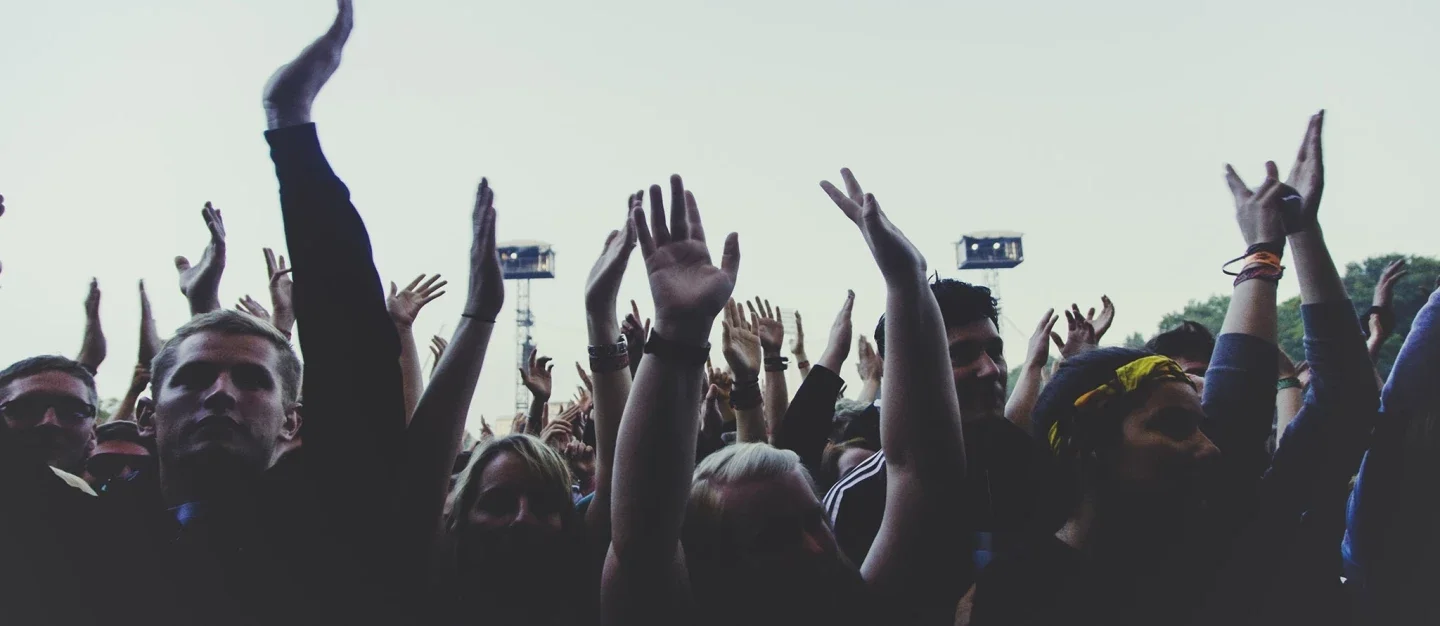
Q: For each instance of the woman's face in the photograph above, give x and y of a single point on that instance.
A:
(850, 458)
(509, 495)
(1162, 449)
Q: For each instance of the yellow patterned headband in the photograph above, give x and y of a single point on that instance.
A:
(1127, 378)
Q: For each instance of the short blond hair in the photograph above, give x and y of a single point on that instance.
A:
(731, 465)
(532, 452)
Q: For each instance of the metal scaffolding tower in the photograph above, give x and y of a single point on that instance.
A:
(522, 261)
(524, 343)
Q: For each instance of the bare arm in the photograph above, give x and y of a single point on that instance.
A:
(772, 336)
(913, 562)
(538, 379)
(404, 305)
(1027, 388)
(92, 347)
(741, 346)
(872, 370)
(281, 293)
(645, 580)
(138, 382)
(150, 342)
(433, 438)
(201, 283)
(1289, 396)
(797, 347)
(610, 376)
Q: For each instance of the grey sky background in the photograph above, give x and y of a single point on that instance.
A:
(1098, 129)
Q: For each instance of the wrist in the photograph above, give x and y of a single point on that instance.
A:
(770, 351)
(686, 330)
(601, 329)
(831, 360)
(286, 115)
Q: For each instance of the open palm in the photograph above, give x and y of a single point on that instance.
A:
(897, 258)
(689, 290)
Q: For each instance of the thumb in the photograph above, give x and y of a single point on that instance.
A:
(182, 263)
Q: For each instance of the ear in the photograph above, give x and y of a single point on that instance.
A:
(290, 429)
(145, 416)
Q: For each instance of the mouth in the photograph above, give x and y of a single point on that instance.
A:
(214, 423)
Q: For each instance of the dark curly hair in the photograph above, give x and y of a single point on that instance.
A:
(960, 303)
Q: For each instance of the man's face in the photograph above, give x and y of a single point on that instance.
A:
(977, 361)
(223, 403)
(52, 414)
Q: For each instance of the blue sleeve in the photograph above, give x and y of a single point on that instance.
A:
(1388, 527)
(1239, 406)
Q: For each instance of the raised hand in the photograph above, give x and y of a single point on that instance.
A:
(251, 306)
(405, 304)
(1307, 177)
(201, 283)
(92, 346)
(281, 292)
(767, 325)
(1260, 211)
(585, 379)
(871, 366)
(635, 334)
(720, 385)
(487, 284)
(1038, 352)
(688, 289)
(1385, 287)
(1081, 336)
(898, 259)
(740, 344)
(150, 342)
(537, 377)
(140, 378)
(603, 285)
(485, 431)
(517, 424)
(437, 347)
(838, 349)
(797, 344)
(1106, 318)
(291, 90)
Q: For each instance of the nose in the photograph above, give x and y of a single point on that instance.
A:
(525, 514)
(221, 394)
(1206, 449)
(51, 418)
(988, 368)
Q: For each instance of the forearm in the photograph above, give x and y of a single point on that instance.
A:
(869, 391)
(808, 420)
(802, 362)
(776, 401)
(1287, 406)
(411, 376)
(92, 346)
(1319, 280)
(750, 425)
(654, 459)
(126, 411)
(433, 438)
(1024, 395)
(535, 416)
(202, 303)
(612, 390)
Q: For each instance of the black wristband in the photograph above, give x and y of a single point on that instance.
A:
(620, 347)
(745, 394)
(683, 354)
(776, 363)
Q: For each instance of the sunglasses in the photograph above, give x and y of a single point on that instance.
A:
(111, 465)
(32, 409)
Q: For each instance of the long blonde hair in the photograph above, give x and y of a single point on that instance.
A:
(532, 452)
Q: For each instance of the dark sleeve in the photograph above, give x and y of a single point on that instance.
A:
(1239, 406)
(1390, 518)
(353, 404)
(1322, 447)
(807, 423)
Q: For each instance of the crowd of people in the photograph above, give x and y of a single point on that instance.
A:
(1205, 479)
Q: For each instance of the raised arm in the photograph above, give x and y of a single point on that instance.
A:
(538, 378)
(772, 336)
(609, 362)
(808, 421)
(645, 580)
(404, 305)
(797, 348)
(138, 382)
(201, 283)
(1381, 318)
(281, 292)
(741, 346)
(150, 342)
(92, 346)
(913, 561)
(349, 343)
(1027, 388)
(1239, 396)
(871, 369)
(433, 439)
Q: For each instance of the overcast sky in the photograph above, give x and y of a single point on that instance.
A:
(1098, 129)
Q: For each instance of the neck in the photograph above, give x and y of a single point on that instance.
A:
(182, 481)
(1120, 524)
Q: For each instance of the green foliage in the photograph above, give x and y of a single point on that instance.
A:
(1411, 292)
(107, 408)
(1136, 341)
